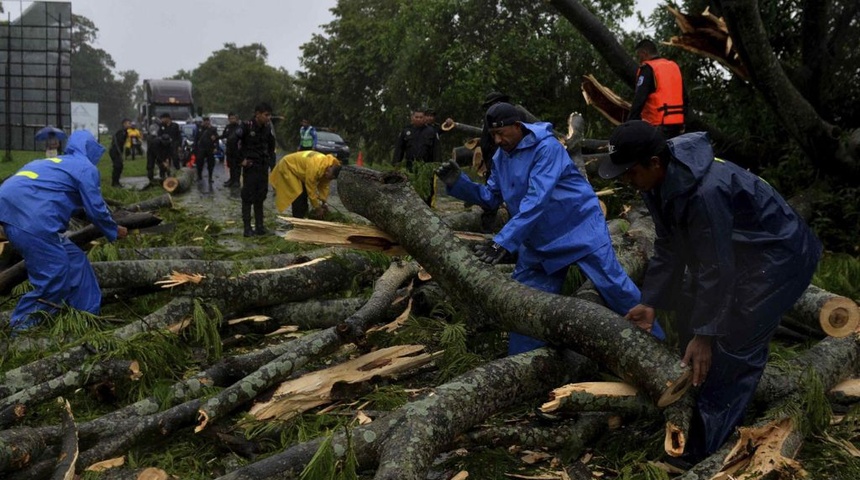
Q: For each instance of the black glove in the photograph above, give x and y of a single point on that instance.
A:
(492, 253)
(449, 172)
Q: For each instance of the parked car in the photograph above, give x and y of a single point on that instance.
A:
(219, 121)
(333, 144)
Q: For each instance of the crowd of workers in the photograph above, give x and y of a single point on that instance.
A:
(731, 256)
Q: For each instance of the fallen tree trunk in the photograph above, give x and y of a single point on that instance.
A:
(18, 272)
(260, 288)
(57, 364)
(70, 381)
(65, 469)
(595, 331)
(181, 181)
(833, 314)
(405, 441)
(574, 434)
(308, 348)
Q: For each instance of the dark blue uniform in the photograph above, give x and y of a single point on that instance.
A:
(256, 144)
(731, 256)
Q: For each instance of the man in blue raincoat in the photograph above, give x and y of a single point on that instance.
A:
(555, 216)
(36, 204)
(731, 256)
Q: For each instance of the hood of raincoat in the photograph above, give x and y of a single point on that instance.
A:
(83, 143)
(535, 132)
(695, 156)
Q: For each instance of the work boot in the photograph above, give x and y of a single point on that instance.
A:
(258, 219)
(246, 219)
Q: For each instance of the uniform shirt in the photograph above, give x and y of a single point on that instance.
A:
(415, 144)
(255, 142)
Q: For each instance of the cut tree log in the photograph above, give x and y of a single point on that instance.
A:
(835, 315)
(616, 397)
(387, 200)
(572, 434)
(846, 392)
(181, 180)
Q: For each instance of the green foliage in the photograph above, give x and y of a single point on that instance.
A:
(160, 356)
(205, 324)
(840, 274)
(235, 79)
(325, 465)
(69, 322)
(388, 397)
(374, 64)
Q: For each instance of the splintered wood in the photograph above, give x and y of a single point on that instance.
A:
(302, 394)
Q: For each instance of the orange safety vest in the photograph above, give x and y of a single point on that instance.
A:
(665, 105)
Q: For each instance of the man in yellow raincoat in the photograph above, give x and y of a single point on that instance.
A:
(304, 176)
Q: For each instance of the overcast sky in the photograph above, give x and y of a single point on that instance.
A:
(157, 38)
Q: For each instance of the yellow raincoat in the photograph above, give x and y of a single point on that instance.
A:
(293, 170)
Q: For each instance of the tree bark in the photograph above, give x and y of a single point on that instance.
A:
(70, 381)
(181, 181)
(308, 348)
(574, 434)
(405, 441)
(832, 314)
(65, 469)
(595, 331)
(18, 272)
(818, 139)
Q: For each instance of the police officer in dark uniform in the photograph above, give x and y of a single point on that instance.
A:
(116, 150)
(166, 141)
(205, 148)
(413, 144)
(256, 149)
(231, 155)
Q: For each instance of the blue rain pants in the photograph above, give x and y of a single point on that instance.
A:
(59, 272)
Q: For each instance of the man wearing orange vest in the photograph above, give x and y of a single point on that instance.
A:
(660, 98)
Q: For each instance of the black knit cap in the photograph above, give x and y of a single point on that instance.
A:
(630, 143)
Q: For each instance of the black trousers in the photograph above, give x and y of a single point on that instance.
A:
(300, 205)
(209, 160)
(255, 187)
(116, 164)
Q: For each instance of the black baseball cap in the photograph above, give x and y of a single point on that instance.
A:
(630, 143)
(502, 114)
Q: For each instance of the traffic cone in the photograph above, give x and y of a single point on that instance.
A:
(360, 160)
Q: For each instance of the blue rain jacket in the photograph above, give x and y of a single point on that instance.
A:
(735, 235)
(555, 216)
(41, 197)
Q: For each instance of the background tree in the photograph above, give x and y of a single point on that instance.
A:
(235, 79)
(380, 58)
(93, 78)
